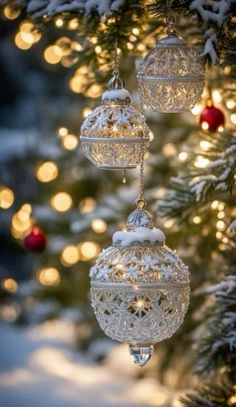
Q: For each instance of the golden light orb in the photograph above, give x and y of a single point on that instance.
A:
(6, 197)
(61, 202)
(10, 285)
(70, 255)
(87, 205)
(99, 225)
(53, 54)
(11, 13)
(20, 43)
(49, 276)
(47, 171)
(88, 250)
(70, 142)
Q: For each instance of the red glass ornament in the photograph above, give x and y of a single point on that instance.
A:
(211, 117)
(36, 240)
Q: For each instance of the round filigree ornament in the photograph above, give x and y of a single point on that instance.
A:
(139, 287)
(114, 135)
(171, 77)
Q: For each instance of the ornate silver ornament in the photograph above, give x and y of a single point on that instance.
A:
(115, 134)
(171, 77)
(139, 287)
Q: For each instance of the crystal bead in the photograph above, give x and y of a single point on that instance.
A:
(141, 354)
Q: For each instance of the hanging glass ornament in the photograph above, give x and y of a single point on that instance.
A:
(139, 287)
(171, 77)
(115, 134)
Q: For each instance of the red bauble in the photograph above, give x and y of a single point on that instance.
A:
(36, 240)
(211, 117)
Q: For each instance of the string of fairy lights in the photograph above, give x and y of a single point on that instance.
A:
(47, 171)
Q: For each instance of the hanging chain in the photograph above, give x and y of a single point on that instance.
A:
(115, 56)
(140, 201)
(170, 20)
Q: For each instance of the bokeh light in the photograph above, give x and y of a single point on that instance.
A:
(70, 255)
(88, 250)
(61, 202)
(53, 54)
(99, 225)
(49, 276)
(70, 142)
(47, 171)
(87, 205)
(10, 285)
(6, 197)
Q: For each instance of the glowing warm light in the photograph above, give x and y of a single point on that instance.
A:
(216, 96)
(139, 304)
(70, 255)
(233, 118)
(183, 156)
(10, 285)
(11, 12)
(201, 162)
(151, 136)
(169, 150)
(27, 37)
(135, 31)
(169, 223)
(98, 49)
(49, 276)
(47, 171)
(197, 220)
(219, 235)
(221, 206)
(204, 125)
(61, 202)
(22, 222)
(88, 250)
(53, 54)
(87, 205)
(59, 22)
(221, 215)
(196, 109)
(20, 43)
(70, 142)
(99, 225)
(94, 91)
(86, 112)
(6, 197)
(62, 132)
(205, 145)
(220, 225)
(215, 204)
(73, 24)
(230, 104)
(220, 129)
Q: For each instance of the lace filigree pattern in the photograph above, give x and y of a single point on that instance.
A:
(171, 77)
(140, 294)
(114, 136)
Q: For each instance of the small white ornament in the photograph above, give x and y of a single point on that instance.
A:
(139, 288)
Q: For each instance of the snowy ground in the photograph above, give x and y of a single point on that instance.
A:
(39, 367)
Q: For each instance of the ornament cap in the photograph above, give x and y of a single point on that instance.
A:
(139, 218)
(171, 39)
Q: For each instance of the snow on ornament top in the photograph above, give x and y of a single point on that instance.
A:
(139, 255)
(140, 235)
